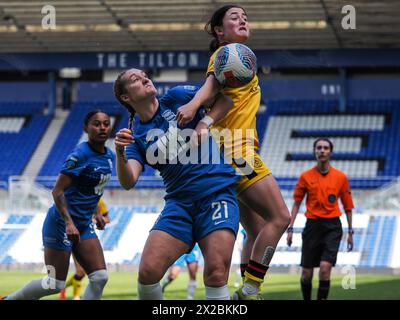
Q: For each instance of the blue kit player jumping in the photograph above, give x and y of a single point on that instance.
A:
(200, 201)
(68, 225)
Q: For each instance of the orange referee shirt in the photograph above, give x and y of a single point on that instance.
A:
(323, 192)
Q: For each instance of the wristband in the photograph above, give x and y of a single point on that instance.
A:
(350, 231)
(290, 229)
(208, 121)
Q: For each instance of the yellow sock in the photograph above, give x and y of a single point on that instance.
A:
(69, 281)
(253, 280)
(77, 287)
(255, 273)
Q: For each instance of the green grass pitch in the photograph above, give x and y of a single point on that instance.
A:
(122, 286)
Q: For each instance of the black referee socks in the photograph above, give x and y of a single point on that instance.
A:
(323, 289)
(306, 288)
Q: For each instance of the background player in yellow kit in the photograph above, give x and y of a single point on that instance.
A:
(101, 218)
(263, 212)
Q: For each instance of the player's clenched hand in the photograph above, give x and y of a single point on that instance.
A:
(72, 232)
(123, 138)
(185, 114)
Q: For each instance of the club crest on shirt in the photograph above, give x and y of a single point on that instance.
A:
(169, 115)
(71, 163)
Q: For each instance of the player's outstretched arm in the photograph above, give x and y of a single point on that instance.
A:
(204, 96)
(128, 171)
(220, 108)
(218, 111)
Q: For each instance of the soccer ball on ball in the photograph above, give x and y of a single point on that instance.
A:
(235, 65)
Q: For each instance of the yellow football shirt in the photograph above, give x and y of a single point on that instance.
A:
(242, 116)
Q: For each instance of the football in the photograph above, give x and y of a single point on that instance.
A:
(235, 65)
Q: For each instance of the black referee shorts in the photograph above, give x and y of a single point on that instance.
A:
(321, 240)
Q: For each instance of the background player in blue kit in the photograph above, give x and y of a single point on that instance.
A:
(191, 260)
(68, 225)
(200, 201)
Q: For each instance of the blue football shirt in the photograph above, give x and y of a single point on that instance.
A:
(186, 172)
(90, 171)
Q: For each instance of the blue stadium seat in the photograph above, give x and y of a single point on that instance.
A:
(18, 147)
(7, 239)
(19, 219)
(120, 218)
(379, 145)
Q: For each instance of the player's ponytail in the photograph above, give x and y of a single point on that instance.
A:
(131, 121)
(214, 45)
(216, 20)
(119, 89)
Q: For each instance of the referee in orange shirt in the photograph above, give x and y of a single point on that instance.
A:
(324, 185)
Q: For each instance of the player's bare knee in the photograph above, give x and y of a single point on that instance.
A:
(216, 276)
(149, 275)
(285, 217)
(215, 280)
(282, 220)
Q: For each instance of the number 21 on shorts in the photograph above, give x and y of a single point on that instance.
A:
(220, 210)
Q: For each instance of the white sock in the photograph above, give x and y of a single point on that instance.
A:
(191, 289)
(219, 293)
(250, 289)
(97, 281)
(37, 289)
(166, 281)
(149, 291)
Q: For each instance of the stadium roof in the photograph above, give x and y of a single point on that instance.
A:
(133, 25)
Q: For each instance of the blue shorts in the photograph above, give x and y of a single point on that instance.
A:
(53, 231)
(188, 258)
(190, 221)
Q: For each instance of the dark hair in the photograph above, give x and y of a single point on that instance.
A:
(323, 139)
(216, 21)
(119, 89)
(90, 114)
